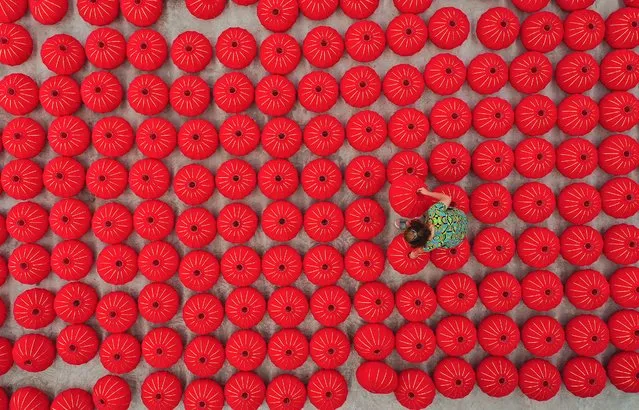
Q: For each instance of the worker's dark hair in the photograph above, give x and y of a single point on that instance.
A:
(417, 233)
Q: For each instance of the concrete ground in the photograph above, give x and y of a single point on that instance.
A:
(175, 20)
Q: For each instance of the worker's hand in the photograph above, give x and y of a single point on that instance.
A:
(416, 253)
(423, 191)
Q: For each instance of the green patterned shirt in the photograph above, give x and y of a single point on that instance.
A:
(449, 226)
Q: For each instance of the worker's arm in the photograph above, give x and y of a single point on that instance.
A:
(443, 198)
